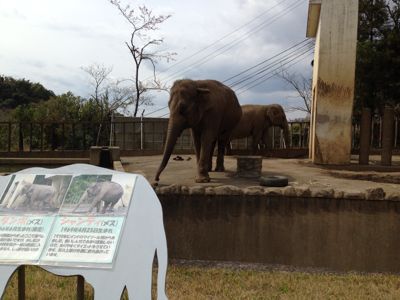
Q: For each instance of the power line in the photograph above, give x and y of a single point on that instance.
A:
(264, 61)
(250, 87)
(150, 113)
(272, 71)
(215, 53)
(265, 68)
(225, 36)
(259, 71)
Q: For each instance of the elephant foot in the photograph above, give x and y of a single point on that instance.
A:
(202, 179)
(220, 169)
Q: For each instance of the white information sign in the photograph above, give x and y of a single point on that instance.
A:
(64, 219)
(71, 220)
(83, 240)
(22, 238)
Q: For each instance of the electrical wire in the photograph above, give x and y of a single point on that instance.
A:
(225, 36)
(238, 92)
(223, 49)
(259, 71)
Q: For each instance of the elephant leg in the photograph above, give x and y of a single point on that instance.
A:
(228, 148)
(197, 144)
(220, 157)
(95, 203)
(6, 271)
(211, 156)
(140, 288)
(105, 205)
(102, 292)
(202, 167)
(256, 143)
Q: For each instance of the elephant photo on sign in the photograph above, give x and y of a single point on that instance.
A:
(144, 238)
(98, 194)
(101, 195)
(34, 194)
(211, 110)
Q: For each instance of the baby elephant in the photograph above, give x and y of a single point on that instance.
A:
(34, 197)
(108, 192)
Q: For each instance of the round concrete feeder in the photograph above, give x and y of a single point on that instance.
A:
(249, 166)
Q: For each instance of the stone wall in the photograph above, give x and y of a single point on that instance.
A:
(295, 226)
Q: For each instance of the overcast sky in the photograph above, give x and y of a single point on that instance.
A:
(48, 41)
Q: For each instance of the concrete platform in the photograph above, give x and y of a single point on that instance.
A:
(352, 179)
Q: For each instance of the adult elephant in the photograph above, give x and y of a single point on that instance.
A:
(211, 110)
(256, 120)
(107, 193)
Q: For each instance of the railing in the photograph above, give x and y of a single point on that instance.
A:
(23, 137)
(144, 134)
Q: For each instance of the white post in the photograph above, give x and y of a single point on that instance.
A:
(141, 131)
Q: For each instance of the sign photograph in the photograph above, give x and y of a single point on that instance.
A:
(99, 194)
(34, 194)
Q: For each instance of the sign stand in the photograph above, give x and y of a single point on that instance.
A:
(141, 238)
(21, 283)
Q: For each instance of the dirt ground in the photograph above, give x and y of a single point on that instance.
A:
(352, 178)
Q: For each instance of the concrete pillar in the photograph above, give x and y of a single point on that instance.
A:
(249, 166)
(94, 155)
(335, 29)
(387, 136)
(365, 136)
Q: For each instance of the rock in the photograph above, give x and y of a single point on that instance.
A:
(355, 195)
(163, 190)
(196, 190)
(228, 190)
(184, 190)
(375, 194)
(289, 191)
(339, 194)
(302, 191)
(322, 193)
(393, 196)
(210, 191)
(175, 189)
(254, 191)
(273, 192)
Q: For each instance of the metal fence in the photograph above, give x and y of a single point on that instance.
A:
(145, 134)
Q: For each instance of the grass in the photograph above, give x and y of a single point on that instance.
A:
(193, 282)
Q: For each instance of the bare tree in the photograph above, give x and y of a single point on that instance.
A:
(109, 95)
(302, 86)
(141, 44)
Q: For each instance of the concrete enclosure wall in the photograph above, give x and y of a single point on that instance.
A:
(337, 234)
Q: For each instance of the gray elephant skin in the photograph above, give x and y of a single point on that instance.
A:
(255, 122)
(211, 110)
(142, 237)
(34, 197)
(107, 193)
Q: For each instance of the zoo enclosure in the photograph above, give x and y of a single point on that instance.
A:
(147, 134)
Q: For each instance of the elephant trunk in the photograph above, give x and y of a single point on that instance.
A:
(81, 199)
(174, 131)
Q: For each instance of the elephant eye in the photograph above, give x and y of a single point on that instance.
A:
(182, 109)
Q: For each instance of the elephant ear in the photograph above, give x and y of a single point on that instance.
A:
(272, 115)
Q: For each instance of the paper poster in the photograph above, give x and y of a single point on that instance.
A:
(71, 219)
(99, 195)
(83, 240)
(22, 238)
(34, 194)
